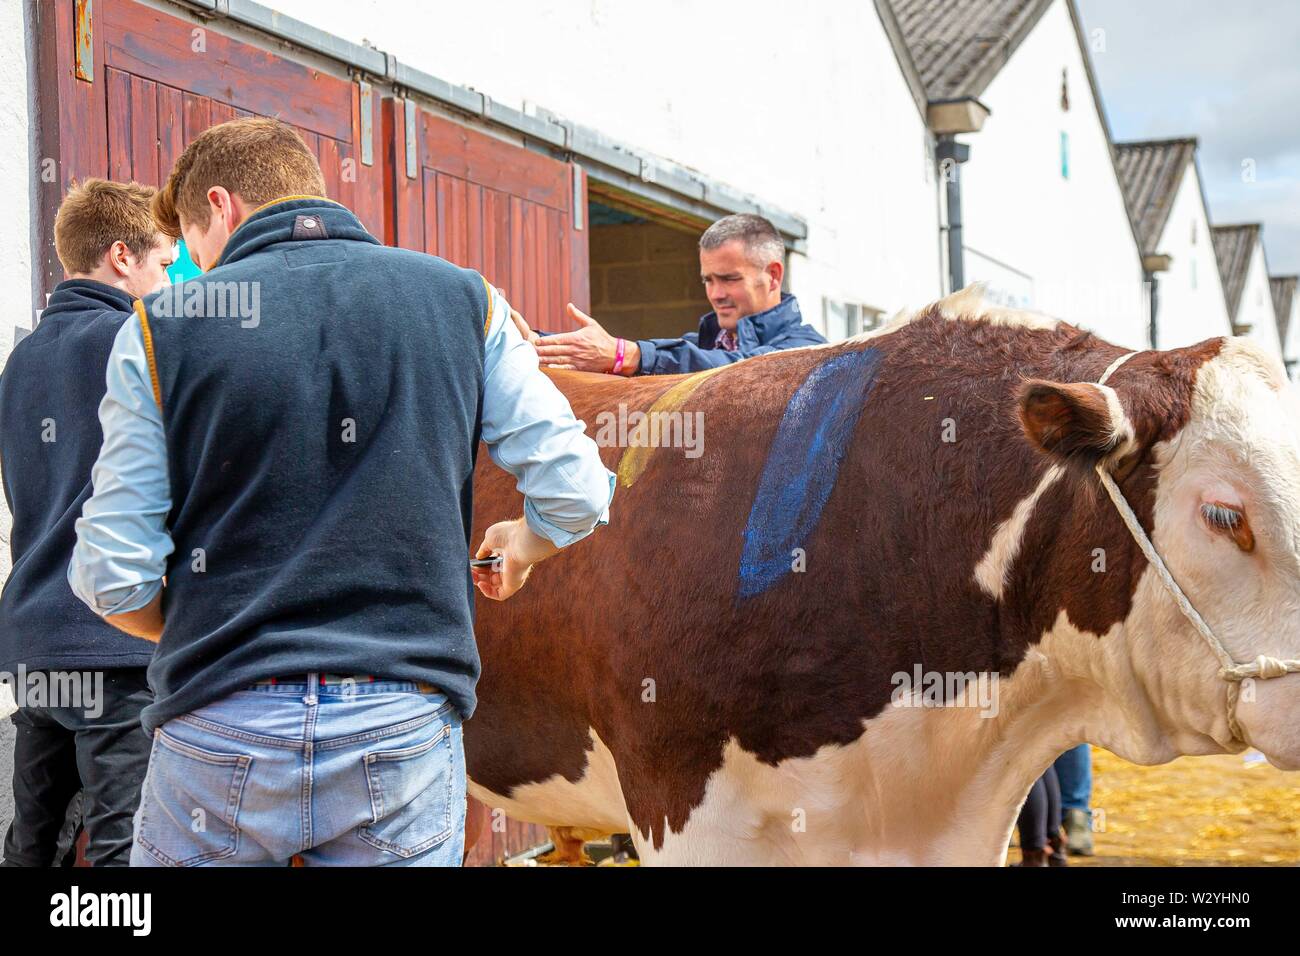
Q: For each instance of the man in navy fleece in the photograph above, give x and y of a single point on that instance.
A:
(50, 391)
(283, 503)
(742, 262)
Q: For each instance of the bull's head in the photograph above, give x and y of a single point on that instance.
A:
(1223, 514)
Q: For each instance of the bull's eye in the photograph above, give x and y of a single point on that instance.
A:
(1231, 522)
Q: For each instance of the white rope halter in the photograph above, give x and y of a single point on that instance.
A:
(1262, 667)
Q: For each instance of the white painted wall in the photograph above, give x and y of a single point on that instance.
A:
(1065, 243)
(1191, 306)
(17, 174)
(806, 109)
(1256, 306)
(16, 284)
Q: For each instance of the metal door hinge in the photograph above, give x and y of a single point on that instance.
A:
(579, 210)
(412, 147)
(367, 123)
(85, 40)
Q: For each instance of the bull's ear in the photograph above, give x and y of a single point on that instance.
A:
(1079, 420)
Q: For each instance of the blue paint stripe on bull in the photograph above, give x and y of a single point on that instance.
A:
(802, 465)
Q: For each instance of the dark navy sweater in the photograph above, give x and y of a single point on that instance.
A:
(50, 389)
(321, 456)
(780, 327)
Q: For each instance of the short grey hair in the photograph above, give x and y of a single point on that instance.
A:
(761, 240)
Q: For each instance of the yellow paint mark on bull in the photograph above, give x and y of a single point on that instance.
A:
(637, 455)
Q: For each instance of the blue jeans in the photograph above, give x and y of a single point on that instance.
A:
(1074, 770)
(353, 774)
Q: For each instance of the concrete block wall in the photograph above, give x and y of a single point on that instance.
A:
(645, 280)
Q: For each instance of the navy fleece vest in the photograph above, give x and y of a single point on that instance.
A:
(321, 396)
(50, 389)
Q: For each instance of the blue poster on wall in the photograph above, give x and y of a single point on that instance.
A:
(183, 268)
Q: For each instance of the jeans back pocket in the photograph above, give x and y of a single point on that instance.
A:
(411, 795)
(189, 805)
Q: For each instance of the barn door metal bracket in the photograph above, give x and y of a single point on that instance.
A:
(412, 150)
(579, 209)
(84, 57)
(367, 122)
(367, 101)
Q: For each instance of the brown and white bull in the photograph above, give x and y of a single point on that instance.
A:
(932, 487)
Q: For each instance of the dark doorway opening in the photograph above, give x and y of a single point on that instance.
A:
(645, 273)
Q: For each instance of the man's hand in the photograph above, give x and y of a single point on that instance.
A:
(589, 349)
(146, 623)
(519, 549)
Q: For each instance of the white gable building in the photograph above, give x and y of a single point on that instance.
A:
(1039, 207)
(806, 111)
(1244, 272)
(1167, 202)
(1286, 307)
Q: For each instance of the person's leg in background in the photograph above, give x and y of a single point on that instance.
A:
(1031, 826)
(1074, 770)
(1039, 824)
(113, 755)
(1055, 840)
(45, 781)
(70, 835)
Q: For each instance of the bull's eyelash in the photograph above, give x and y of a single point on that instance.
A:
(1221, 516)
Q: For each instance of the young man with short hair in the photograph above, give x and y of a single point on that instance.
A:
(289, 441)
(50, 391)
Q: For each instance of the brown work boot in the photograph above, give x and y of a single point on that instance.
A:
(1056, 850)
(1032, 858)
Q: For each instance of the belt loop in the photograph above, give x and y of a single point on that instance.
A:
(313, 682)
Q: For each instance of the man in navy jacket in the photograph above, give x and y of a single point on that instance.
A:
(50, 642)
(742, 262)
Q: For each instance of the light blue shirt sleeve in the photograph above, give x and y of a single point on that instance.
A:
(530, 432)
(122, 541)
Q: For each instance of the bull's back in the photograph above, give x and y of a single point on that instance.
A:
(602, 638)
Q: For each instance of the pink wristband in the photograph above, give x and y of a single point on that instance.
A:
(619, 351)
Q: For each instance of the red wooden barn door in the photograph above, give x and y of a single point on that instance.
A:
(509, 213)
(493, 206)
(156, 81)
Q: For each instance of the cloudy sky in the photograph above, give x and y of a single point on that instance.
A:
(1226, 72)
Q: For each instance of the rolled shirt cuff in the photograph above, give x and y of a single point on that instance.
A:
(562, 537)
(124, 600)
(648, 355)
(121, 600)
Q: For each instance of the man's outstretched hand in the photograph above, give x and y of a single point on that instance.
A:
(519, 549)
(588, 349)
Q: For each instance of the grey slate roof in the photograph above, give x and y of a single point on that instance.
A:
(1151, 172)
(1283, 289)
(958, 46)
(1233, 247)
